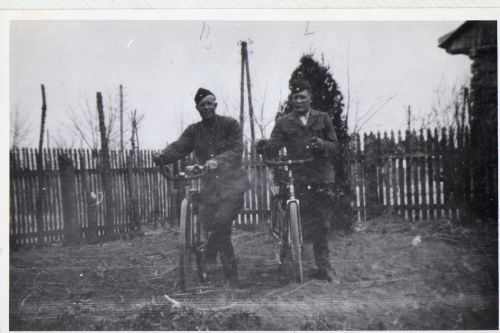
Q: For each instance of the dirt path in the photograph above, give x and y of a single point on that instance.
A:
(382, 281)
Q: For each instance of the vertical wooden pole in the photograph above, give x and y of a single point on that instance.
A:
(72, 232)
(14, 209)
(41, 178)
(121, 119)
(401, 178)
(450, 175)
(371, 188)
(242, 89)
(422, 169)
(105, 171)
(90, 201)
(415, 169)
(133, 213)
(360, 174)
(438, 173)
(408, 175)
(386, 174)
(394, 174)
(250, 106)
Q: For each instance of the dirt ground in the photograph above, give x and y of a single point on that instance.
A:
(390, 274)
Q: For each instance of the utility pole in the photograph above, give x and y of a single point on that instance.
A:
(242, 88)
(249, 88)
(245, 69)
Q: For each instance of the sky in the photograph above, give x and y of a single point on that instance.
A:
(382, 65)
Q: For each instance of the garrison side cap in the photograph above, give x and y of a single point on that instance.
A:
(201, 94)
(300, 85)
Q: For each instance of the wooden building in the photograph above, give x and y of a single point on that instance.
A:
(478, 40)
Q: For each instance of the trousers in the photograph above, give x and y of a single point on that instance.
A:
(316, 208)
(218, 219)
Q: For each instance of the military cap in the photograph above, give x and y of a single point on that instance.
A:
(300, 85)
(201, 94)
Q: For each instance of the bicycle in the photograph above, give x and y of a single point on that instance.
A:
(286, 227)
(192, 234)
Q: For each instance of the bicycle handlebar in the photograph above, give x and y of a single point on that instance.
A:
(195, 171)
(285, 162)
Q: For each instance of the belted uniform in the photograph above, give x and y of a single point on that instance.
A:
(222, 192)
(313, 181)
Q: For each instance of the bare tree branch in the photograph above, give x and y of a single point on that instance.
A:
(20, 129)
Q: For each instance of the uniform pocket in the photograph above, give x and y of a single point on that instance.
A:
(318, 129)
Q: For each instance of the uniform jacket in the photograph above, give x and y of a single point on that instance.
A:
(221, 140)
(291, 133)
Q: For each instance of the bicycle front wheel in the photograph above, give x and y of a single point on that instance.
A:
(200, 245)
(278, 229)
(184, 242)
(295, 242)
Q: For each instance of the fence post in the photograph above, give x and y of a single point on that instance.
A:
(134, 216)
(72, 230)
(106, 166)
(90, 201)
(371, 188)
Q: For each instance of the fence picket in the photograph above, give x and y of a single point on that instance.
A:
(422, 176)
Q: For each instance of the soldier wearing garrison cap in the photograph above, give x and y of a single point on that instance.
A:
(301, 131)
(217, 141)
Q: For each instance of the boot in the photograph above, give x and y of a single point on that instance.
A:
(230, 269)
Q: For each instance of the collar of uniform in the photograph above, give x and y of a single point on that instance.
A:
(297, 117)
(312, 116)
(306, 115)
(212, 123)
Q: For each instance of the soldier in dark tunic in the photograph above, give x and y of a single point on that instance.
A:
(306, 131)
(217, 142)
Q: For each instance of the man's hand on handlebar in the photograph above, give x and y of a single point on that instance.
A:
(317, 144)
(158, 159)
(211, 164)
(259, 146)
(195, 169)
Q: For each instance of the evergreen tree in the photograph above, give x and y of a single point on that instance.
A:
(326, 94)
(328, 98)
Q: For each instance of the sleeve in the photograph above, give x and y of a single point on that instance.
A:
(234, 147)
(330, 138)
(277, 139)
(180, 148)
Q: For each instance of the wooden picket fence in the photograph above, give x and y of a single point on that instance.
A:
(421, 176)
(157, 198)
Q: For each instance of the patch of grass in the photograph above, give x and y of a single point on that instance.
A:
(150, 317)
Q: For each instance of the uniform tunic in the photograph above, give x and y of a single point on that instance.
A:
(313, 181)
(222, 192)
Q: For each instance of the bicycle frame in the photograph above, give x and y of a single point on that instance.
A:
(192, 240)
(290, 231)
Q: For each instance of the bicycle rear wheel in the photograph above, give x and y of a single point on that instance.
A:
(184, 242)
(295, 242)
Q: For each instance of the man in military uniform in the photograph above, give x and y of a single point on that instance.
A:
(306, 131)
(217, 142)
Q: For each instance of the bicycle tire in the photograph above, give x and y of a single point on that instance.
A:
(295, 242)
(278, 229)
(199, 241)
(184, 243)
